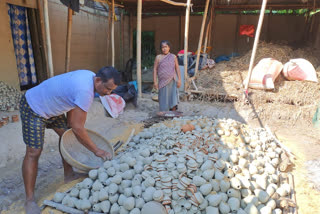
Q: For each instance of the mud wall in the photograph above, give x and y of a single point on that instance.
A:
(225, 38)
(314, 31)
(89, 49)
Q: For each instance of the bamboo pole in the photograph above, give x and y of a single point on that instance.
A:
(206, 38)
(186, 34)
(139, 16)
(122, 41)
(255, 45)
(174, 3)
(108, 34)
(201, 37)
(131, 35)
(47, 29)
(211, 25)
(112, 33)
(68, 41)
(208, 30)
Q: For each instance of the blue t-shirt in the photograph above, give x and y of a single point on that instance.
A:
(62, 93)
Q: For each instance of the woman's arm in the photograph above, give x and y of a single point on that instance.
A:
(155, 72)
(178, 72)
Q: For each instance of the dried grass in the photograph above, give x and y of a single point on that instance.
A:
(227, 77)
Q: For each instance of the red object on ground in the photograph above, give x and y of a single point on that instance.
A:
(182, 52)
(247, 30)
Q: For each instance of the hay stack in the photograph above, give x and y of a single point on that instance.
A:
(227, 77)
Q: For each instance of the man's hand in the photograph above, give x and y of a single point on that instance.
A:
(179, 83)
(103, 154)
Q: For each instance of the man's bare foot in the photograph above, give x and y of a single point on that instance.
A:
(31, 207)
(73, 176)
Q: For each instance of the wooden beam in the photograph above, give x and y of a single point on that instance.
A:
(48, 39)
(106, 2)
(204, 18)
(218, 95)
(186, 35)
(68, 41)
(139, 16)
(24, 3)
(175, 3)
(274, 6)
(112, 33)
(255, 46)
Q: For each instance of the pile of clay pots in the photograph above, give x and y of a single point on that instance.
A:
(6, 119)
(9, 97)
(218, 166)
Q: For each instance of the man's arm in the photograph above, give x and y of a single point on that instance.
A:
(76, 119)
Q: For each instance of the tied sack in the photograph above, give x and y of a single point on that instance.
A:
(299, 69)
(264, 74)
(114, 104)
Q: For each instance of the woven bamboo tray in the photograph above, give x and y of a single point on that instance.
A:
(79, 156)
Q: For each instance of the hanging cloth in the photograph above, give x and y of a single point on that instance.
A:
(22, 44)
(73, 4)
(247, 30)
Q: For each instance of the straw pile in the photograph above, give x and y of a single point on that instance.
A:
(227, 77)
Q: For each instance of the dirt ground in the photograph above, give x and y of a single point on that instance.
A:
(303, 140)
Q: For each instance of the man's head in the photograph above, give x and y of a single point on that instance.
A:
(106, 80)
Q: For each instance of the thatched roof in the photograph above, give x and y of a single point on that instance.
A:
(198, 5)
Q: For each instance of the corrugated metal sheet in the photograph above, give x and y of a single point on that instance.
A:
(257, 2)
(198, 5)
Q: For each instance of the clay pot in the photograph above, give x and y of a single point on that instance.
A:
(14, 118)
(187, 127)
(5, 120)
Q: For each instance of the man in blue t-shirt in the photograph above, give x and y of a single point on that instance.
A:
(44, 106)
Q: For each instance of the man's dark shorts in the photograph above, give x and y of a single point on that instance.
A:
(33, 125)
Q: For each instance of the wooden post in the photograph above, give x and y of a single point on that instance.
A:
(139, 16)
(112, 33)
(108, 33)
(255, 45)
(180, 40)
(207, 31)
(201, 37)
(206, 38)
(131, 34)
(68, 40)
(122, 41)
(211, 25)
(48, 39)
(185, 58)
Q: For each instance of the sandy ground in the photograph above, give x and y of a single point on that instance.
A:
(303, 141)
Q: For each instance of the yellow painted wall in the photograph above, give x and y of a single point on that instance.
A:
(8, 67)
(88, 46)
